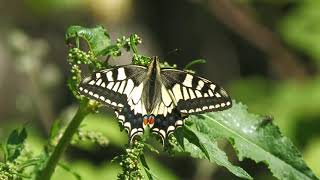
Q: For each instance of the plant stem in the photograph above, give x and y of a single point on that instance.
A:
(51, 164)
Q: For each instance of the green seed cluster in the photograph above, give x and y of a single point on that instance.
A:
(167, 65)
(9, 171)
(172, 140)
(130, 162)
(135, 39)
(141, 60)
(92, 136)
(129, 43)
(77, 57)
(173, 146)
(123, 42)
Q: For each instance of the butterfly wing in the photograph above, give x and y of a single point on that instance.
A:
(167, 117)
(182, 94)
(119, 88)
(113, 86)
(193, 94)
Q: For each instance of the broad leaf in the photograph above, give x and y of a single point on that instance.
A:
(70, 170)
(97, 38)
(15, 144)
(254, 137)
(201, 146)
(146, 167)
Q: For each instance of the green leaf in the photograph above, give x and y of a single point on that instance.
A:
(273, 94)
(312, 155)
(208, 149)
(194, 62)
(158, 170)
(68, 169)
(2, 149)
(55, 129)
(193, 139)
(15, 144)
(253, 137)
(146, 167)
(98, 38)
(151, 148)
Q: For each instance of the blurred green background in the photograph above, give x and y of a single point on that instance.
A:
(265, 52)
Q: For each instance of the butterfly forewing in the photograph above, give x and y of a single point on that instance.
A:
(112, 87)
(193, 94)
(120, 88)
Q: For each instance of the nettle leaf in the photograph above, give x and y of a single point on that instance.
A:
(70, 170)
(254, 137)
(201, 146)
(15, 144)
(146, 167)
(98, 39)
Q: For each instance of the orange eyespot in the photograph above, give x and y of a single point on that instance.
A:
(148, 119)
(151, 119)
(145, 120)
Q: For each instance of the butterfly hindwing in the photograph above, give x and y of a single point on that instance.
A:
(167, 117)
(193, 94)
(165, 125)
(130, 121)
(113, 86)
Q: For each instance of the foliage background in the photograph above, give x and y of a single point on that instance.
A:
(265, 52)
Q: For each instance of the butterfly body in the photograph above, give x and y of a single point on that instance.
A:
(152, 84)
(150, 96)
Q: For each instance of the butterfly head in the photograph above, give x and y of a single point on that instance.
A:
(154, 65)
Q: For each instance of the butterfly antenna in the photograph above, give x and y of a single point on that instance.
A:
(173, 51)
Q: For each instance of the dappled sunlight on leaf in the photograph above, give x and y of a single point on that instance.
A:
(253, 137)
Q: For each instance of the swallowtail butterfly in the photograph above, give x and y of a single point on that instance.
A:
(151, 96)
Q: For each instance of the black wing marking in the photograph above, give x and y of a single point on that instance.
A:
(167, 117)
(132, 122)
(193, 94)
(113, 86)
(165, 125)
(121, 89)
